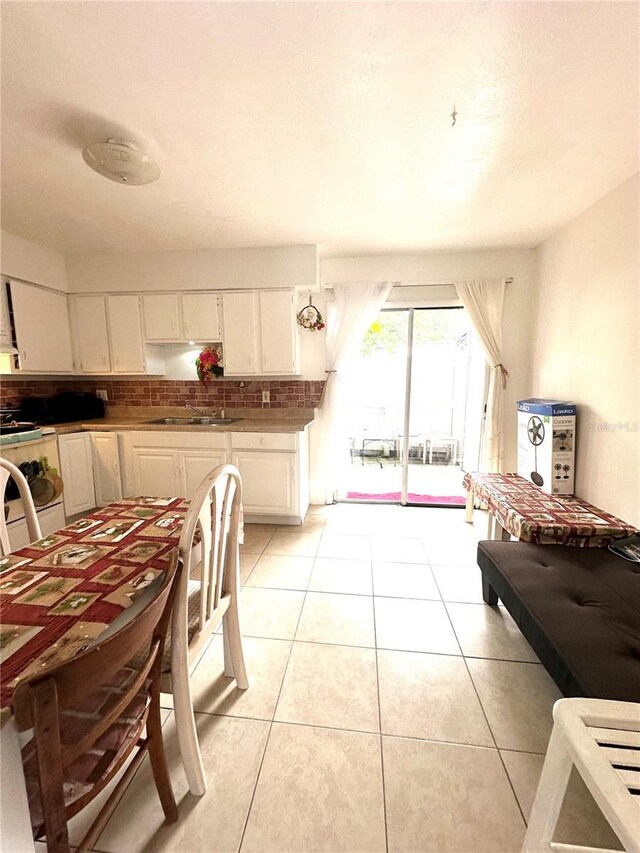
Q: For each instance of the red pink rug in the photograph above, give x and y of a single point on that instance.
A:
(445, 500)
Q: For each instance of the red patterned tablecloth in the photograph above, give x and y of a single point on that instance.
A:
(531, 515)
(60, 593)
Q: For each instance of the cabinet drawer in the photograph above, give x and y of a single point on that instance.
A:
(179, 440)
(264, 440)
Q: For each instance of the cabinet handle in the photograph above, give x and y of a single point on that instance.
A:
(250, 359)
(263, 441)
(24, 355)
(187, 324)
(117, 359)
(266, 358)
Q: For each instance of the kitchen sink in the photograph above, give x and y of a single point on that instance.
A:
(203, 421)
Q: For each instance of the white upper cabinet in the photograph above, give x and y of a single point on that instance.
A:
(201, 317)
(278, 333)
(240, 333)
(259, 333)
(177, 317)
(125, 331)
(161, 317)
(42, 329)
(91, 335)
(107, 336)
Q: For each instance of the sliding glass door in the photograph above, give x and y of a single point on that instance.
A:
(415, 404)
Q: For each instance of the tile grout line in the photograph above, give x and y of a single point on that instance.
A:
(375, 640)
(365, 732)
(272, 721)
(484, 713)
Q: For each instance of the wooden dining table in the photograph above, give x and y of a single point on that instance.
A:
(63, 593)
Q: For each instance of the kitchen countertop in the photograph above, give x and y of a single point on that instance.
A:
(129, 418)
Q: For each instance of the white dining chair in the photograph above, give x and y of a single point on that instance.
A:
(601, 738)
(207, 594)
(8, 469)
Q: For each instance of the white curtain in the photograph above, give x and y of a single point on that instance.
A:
(355, 308)
(483, 300)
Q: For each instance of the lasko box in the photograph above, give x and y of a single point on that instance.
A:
(546, 444)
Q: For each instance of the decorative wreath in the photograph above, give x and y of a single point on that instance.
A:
(310, 318)
(209, 364)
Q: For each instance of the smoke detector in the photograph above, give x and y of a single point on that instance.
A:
(121, 161)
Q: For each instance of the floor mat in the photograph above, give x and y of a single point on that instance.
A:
(445, 500)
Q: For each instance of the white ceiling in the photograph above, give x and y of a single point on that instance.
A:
(327, 123)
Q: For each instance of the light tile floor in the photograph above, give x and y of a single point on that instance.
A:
(389, 708)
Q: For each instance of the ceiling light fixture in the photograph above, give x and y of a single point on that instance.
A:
(121, 161)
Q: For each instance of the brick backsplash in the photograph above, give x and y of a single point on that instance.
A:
(285, 393)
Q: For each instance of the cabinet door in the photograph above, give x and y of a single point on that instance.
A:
(156, 472)
(161, 317)
(42, 329)
(76, 469)
(201, 316)
(278, 334)
(106, 467)
(268, 482)
(196, 464)
(6, 338)
(239, 340)
(125, 331)
(91, 335)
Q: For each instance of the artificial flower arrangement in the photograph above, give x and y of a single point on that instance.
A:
(209, 364)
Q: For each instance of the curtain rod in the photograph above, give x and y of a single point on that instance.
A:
(507, 280)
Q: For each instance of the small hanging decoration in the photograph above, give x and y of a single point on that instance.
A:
(310, 318)
(209, 364)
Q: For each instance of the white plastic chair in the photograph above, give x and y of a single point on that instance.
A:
(8, 469)
(602, 739)
(204, 601)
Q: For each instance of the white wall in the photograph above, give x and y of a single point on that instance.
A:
(20, 258)
(445, 267)
(282, 266)
(587, 340)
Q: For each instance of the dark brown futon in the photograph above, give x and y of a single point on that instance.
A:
(579, 608)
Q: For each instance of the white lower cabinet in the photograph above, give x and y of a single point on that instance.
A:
(162, 466)
(196, 464)
(106, 467)
(275, 474)
(268, 481)
(76, 470)
(274, 468)
(155, 472)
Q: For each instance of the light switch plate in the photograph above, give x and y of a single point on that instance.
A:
(266, 396)
(101, 394)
